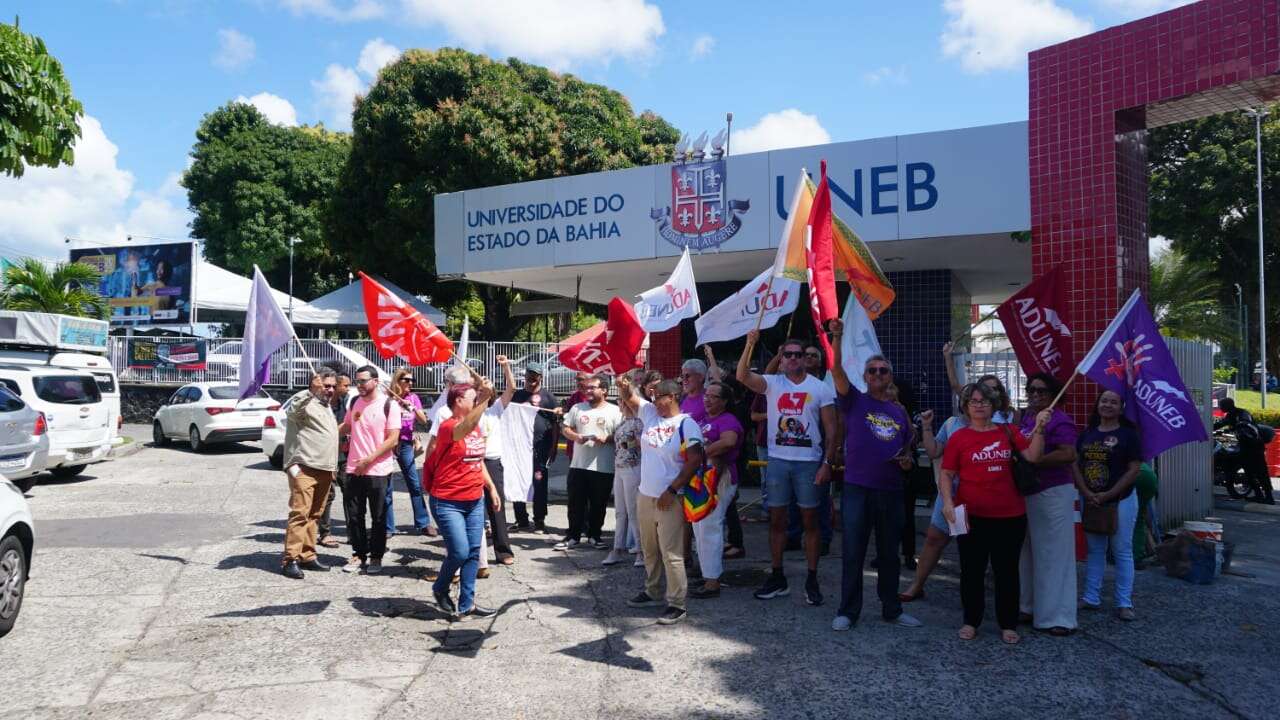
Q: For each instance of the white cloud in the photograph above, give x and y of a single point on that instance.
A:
(702, 46)
(340, 11)
(376, 54)
(997, 34)
(235, 50)
(784, 129)
(556, 33)
(94, 199)
(275, 108)
(886, 75)
(337, 90)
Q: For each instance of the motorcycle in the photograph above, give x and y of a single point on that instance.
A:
(1228, 465)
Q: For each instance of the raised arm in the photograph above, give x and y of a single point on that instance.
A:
(628, 395)
(931, 445)
(508, 379)
(753, 381)
(714, 371)
(951, 369)
(838, 376)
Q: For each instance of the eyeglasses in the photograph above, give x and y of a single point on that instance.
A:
(879, 370)
(795, 354)
(328, 386)
(981, 402)
(1037, 390)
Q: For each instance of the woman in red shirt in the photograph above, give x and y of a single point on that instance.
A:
(455, 476)
(981, 455)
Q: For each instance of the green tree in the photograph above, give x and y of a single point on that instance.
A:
(451, 120)
(39, 117)
(253, 186)
(1204, 198)
(1183, 295)
(30, 285)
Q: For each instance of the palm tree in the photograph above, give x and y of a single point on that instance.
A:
(68, 289)
(1183, 294)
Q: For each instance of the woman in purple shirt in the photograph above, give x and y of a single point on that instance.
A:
(411, 410)
(1047, 568)
(722, 436)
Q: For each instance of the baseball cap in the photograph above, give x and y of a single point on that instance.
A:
(535, 367)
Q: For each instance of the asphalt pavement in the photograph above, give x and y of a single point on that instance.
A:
(155, 593)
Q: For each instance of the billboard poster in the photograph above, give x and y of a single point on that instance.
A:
(144, 284)
(186, 356)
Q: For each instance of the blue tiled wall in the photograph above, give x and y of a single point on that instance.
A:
(912, 332)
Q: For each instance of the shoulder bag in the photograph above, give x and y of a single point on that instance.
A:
(699, 497)
(1024, 473)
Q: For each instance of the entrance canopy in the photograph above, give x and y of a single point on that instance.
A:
(344, 307)
(223, 296)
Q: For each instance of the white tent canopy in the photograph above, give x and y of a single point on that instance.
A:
(219, 292)
(344, 307)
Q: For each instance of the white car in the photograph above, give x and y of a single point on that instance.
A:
(77, 416)
(17, 543)
(273, 428)
(204, 413)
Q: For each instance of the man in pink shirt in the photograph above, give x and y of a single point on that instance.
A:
(373, 423)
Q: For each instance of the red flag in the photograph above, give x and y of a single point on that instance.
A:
(614, 348)
(818, 250)
(398, 328)
(1035, 321)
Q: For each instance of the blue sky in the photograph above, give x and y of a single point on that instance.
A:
(792, 74)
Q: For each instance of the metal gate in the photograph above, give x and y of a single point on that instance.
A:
(1186, 471)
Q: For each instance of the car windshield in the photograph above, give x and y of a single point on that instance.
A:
(67, 389)
(232, 392)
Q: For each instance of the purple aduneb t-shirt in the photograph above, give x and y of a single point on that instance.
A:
(1060, 431)
(695, 407)
(876, 431)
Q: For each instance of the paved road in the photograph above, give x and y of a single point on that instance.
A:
(155, 595)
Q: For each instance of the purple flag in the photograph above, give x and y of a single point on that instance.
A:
(266, 329)
(1132, 360)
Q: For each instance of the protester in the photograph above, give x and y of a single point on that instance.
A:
(1047, 569)
(458, 484)
(877, 445)
(1252, 449)
(814, 365)
(401, 390)
(670, 453)
(546, 434)
(590, 425)
(693, 378)
(626, 483)
(1110, 459)
(722, 438)
(373, 424)
(980, 458)
(937, 536)
(338, 404)
(490, 427)
(796, 403)
(578, 395)
(310, 457)
(651, 380)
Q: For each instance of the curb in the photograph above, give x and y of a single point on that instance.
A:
(1246, 506)
(125, 450)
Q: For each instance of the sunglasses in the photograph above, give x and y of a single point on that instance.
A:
(796, 354)
(361, 381)
(406, 380)
(327, 386)
(880, 370)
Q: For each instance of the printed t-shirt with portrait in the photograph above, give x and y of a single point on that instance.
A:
(408, 416)
(544, 422)
(876, 431)
(626, 443)
(984, 462)
(593, 422)
(660, 456)
(458, 471)
(1105, 457)
(370, 420)
(795, 421)
(712, 429)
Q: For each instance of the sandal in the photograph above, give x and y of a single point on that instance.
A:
(328, 541)
(908, 597)
(507, 560)
(1059, 631)
(1010, 637)
(967, 632)
(733, 553)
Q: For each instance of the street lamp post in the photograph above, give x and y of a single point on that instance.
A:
(1242, 342)
(289, 312)
(1258, 114)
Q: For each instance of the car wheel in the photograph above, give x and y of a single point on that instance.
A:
(277, 458)
(197, 445)
(13, 579)
(67, 471)
(158, 438)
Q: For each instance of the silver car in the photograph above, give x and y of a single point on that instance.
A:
(24, 440)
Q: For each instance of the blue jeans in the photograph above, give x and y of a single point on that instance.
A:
(412, 481)
(462, 530)
(1122, 547)
(862, 510)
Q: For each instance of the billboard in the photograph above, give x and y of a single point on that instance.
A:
(144, 284)
(185, 356)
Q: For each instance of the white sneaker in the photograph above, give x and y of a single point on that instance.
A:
(841, 623)
(614, 557)
(374, 568)
(353, 565)
(633, 551)
(905, 620)
(639, 560)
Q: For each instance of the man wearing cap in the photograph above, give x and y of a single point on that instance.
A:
(546, 434)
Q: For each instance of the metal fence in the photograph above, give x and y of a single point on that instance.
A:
(289, 367)
(1186, 471)
(971, 366)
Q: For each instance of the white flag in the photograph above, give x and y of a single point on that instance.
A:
(858, 342)
(266, 330)
(737, 315)
(516, 435)
(463, 341)
(663, 307)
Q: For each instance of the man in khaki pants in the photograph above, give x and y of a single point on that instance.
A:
(311, 457)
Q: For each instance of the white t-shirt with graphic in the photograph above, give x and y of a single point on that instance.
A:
(795, 423)
(660, 460)
(593, 422)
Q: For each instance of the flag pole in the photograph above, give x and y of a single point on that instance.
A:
(760, 317)
(981, 320)
(1063, 391)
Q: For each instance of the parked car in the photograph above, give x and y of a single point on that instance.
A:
(96, 365)
(77, 417)
(558, 379)
(205, 413)
(223, 361)
(17, 543)
(24, 440)
(273, 427)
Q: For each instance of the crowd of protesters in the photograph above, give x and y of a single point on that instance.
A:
(1008, 481)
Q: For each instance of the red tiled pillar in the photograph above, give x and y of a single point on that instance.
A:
(665, 353)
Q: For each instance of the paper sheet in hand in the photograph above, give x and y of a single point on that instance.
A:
(961, 525)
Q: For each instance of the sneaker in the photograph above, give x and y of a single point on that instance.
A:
(614, 557)
(375, 567)
(1126, 614)
(566, 544)
(639, 560)
(599, 544)
(314, 565)
(517, 527)
(1086, 605)
(702, 593)
(479, 613)
(671, 616)
(539, 529)
(641, 600)
(905, 620)
(633, 550)
(354, 565)
(445, 603)
(812, 594)
(775, 586)
(841, 623)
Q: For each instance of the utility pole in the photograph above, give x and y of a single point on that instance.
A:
(1258, 114)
